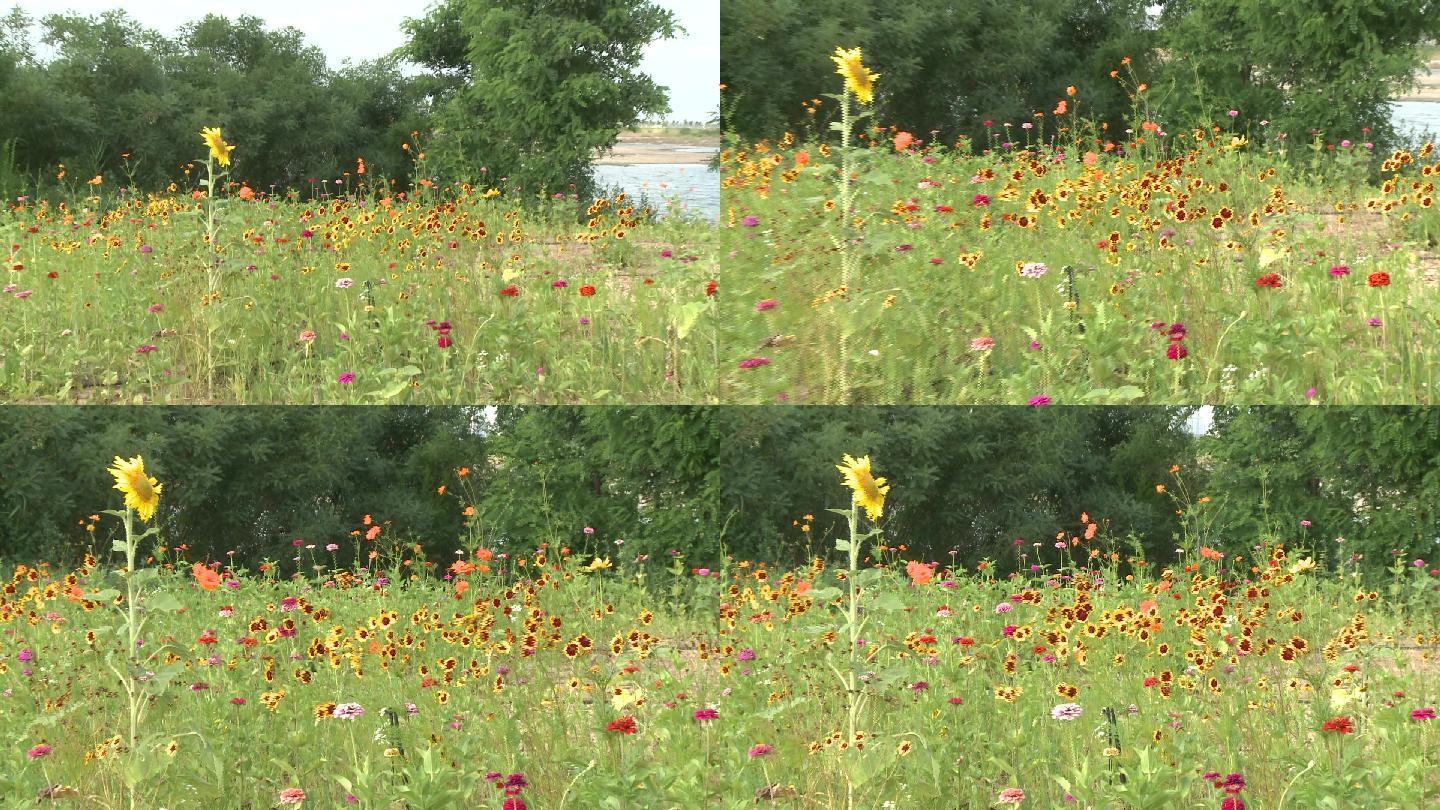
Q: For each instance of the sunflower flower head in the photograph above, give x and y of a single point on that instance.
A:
(142, 493)
(858, 78)
(219, 149)
(869, 491)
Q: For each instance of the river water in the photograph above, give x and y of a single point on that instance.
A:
(1416, 117)
(682, 188)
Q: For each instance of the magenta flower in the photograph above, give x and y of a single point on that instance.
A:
(706, 715)
(755, 362)
(750, 221)
(1427, 713)
(346, 378)
(761, 750)
(1039, 401)
(146, 349)
(767, 304)
(41, 750)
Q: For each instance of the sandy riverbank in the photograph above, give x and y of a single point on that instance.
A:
(1427, 86)
(646, 147)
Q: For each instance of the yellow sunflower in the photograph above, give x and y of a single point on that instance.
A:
(858, 78)
(869, 490)
(142, 493)
(218, 148)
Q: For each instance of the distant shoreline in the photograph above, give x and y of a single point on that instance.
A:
(661, 146)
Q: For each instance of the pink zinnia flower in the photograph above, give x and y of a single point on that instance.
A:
(1427, 713)
(705, 715)
(41, 750)
(768, 303)
(760, 750)
(292, 796)
(1011, 796)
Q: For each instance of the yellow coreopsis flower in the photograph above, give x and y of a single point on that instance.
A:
(858, 78)
(219, 149)
(1307, 564)
(142, 493)
(869, 490)
(598, 564)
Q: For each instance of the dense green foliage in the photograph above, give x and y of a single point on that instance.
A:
(529, 89)
(714, 481)
(1323, 64)
(114, 88)
(1369, 475)
(251, 479)
(965, 479)
(521, 89)
(943, 65)
(1303, 65)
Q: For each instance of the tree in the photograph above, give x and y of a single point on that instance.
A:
(529, 90)
(1369, 475)
(969, 480)
(944, 66)
(1303, 65)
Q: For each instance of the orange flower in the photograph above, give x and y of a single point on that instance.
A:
(1061, 107)
(903, 141)
(463, 471)
(373, 533)
(801, 158)
(920, 573)
(441, 490)
(484, 554)
(462, 567)
(1210, 553)
(1070, 91)
(460, 588)
(1090, 529)
(1148, 605)
(246, 192)
(359, 165)
(1091, 158)
(802, 587)
(207, 579)
(469, 511)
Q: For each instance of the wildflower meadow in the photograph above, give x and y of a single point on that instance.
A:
(350, 291)
(1060, 259)
(1260, 673)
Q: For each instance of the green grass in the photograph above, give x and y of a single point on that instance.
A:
(940, 309)
(1230, 666)
(109, 300)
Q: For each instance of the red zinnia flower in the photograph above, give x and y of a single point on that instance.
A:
(512, 291)
(444, 341)
(711, 287)
(588, 290)
(1176, 351)
(1378, 280)
(1269, 280)
(1341, 725)
(624, 725)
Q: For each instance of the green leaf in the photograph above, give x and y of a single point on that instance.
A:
(687, 317)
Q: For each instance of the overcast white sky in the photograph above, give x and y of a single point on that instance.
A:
(689, 65)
